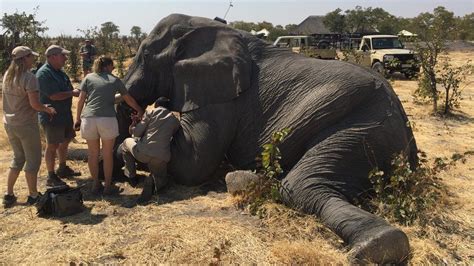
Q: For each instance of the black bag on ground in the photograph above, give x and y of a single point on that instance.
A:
(60, 201)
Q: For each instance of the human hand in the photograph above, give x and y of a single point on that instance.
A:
(140, 114)
(76, 92)
(49, 110)
(77, 125)
(135, 118)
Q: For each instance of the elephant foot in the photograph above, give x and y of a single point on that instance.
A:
(389, 245)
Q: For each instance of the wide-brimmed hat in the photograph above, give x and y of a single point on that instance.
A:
(22, 51)
(56, 49)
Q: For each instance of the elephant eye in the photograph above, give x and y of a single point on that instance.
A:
(146, 53)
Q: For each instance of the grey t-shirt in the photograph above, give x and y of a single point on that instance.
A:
(17, 110)
(101, 89)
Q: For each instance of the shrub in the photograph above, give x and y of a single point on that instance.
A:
(406, 196)
(268, 186)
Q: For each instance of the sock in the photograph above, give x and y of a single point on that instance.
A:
(62, 165)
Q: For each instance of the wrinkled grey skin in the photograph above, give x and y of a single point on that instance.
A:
(234, 90)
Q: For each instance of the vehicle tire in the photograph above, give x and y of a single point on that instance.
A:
(323, 45)
(409, 75)
(378, 67)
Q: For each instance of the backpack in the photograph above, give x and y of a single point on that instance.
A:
(60, 201)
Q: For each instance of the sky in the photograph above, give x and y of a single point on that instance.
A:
(66, 16)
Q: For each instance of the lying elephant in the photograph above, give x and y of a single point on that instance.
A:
(234, 90)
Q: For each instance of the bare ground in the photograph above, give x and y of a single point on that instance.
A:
(202, 224)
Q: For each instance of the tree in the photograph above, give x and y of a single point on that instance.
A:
(335, 21)
(136, 32)
(109, 30)
(465, 27)
(264, 25)
(90, 33)
(242, 25)
(450, 79)
(277, 31)
(383, 21)
(290, 27)
(108, 35)
(19, 29)
(433, 30)
(357, 19)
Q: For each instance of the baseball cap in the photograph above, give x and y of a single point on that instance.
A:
(56, 49)
(162, 101)
(22, 51)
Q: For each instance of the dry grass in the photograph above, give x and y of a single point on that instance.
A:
(202, 225)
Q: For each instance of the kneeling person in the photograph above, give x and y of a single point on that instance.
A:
(150, 144)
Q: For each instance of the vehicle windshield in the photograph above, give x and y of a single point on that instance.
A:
(386, 43)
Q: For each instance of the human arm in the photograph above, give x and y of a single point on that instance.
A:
(138, 127)
(80, 106)
(132, 103)
(63, 95)
(33, 98)
(118, 98)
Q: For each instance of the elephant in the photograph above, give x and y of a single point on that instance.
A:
(233, 90)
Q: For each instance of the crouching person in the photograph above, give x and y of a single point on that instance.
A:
(150, 144)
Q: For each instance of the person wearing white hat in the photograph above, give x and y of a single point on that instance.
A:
(20, 106)
(56, 90)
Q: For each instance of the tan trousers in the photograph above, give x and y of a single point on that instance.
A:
(130, 153)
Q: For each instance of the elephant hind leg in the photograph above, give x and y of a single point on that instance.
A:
(326, 178)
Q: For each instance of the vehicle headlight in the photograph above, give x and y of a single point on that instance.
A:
(388, 57)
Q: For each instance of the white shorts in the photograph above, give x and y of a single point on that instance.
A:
(93, 128)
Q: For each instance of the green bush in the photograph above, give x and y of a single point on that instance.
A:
(404, 195)
(267, 188)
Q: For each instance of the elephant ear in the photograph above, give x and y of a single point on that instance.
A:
(211, 65)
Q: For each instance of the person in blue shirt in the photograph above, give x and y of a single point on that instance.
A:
(56, 91)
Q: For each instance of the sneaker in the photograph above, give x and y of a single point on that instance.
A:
(66, 172)
(31, 200)
(97, 189)
(54, 181)
(8, 200)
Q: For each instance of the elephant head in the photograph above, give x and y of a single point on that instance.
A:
(193, 61)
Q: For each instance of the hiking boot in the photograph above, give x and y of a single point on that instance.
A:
(32, 201)
(54, 181)
(8, 200)
(160, 182)
(133, 181)
(112, 190)
(148, 190)
(66, 171)
(97, 189)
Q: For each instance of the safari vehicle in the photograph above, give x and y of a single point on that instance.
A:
(386, 54)
(300, 43)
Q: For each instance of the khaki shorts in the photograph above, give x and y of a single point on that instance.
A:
(93, 128)
(26, 145)
(56, 134)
